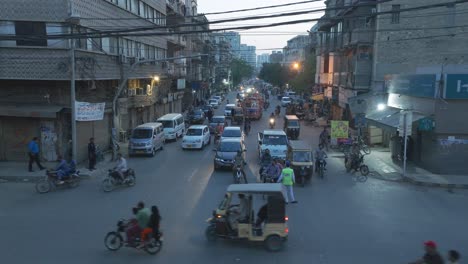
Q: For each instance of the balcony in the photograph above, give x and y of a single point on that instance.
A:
(141, 100)
(362, 36)
(176, 41)
(326, 78)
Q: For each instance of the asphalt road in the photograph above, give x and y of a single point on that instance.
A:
(337, 220)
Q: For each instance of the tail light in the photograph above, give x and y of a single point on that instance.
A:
(286, 218)
(286, 230)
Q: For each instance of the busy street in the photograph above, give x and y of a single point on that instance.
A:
(337, 219)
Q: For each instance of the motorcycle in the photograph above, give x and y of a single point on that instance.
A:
(238, 175)
(272, 123)
(217, 137)
(321, 168)
(277, 111)
(113, 180)
(51, 181)
(114, 240)
(356, 165)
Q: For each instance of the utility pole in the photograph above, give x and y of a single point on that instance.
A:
(72, 97)
(405, 135)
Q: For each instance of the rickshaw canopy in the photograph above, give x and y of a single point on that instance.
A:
(257, 188)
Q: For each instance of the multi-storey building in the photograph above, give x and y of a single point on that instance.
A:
(276, 57)
(35, 71)
(296, 49)
(420, 65)
(344, 53)
(262, 58)
(248, 54)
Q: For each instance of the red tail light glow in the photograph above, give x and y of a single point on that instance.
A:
(286, 230)
(286, 218)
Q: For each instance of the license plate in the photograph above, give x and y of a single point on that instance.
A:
(189, 146)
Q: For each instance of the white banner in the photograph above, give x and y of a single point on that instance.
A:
(89, 111)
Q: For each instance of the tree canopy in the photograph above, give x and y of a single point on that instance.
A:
(239, 70)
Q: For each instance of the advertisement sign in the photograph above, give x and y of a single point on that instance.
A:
(456, 86)
(339, 129)
(419, 85)
(180, 84)
(89, 111)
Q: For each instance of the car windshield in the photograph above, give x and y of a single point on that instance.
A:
(229, 107)
(231, 133)
(217, 120)
(166, 123)
(198, 112)
(229, 146)
(194, 132)
(206, 107)
(140, 133)
(286, 99)
(275, 140)
(213, 101)
(302, 156)
(293, 123)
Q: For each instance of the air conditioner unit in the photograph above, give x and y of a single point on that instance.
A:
(374, 10)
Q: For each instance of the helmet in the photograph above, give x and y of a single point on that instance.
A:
(267, 151)
(287, 163)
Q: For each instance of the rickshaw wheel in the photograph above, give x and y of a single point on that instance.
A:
(210, 233)
(273, 243)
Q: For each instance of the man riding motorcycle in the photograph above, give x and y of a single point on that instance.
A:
(64, 168)
(265, 161)
(320, 154)
(121, 166)
(239, 161)
(272, 171)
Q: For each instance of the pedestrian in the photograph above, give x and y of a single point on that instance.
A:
(33, 152)
(453, 257)
(431, 256)
(287, 179)
(92, 154)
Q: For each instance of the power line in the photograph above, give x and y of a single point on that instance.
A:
(258, 8)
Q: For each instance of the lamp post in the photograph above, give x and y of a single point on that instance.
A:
(407, 117)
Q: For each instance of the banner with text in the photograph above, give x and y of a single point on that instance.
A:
(339, 129)
(89, 111)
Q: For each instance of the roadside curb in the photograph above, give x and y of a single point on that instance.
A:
(32, 179)
(408, 180)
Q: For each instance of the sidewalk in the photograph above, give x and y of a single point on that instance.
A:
(17, 171)
(383, 167)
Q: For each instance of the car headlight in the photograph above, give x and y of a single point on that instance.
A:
(218, 159)
(198, 140)
(148, 143)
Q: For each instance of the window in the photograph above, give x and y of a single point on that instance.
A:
(7, 28)
(56, 29)
(134, 6)
(395, 14)
(31, 29)
(326, 63)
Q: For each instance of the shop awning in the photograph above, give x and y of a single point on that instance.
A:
(389, 117)
(39, 111)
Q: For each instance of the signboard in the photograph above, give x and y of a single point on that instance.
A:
(360, 120)
(180, 84)
(419, 85)
(425, 124)
(408, 122)
(339, 129)
(456, 86)
(89, 111)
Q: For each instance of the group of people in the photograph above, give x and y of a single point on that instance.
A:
(432, 255)
(145, 222)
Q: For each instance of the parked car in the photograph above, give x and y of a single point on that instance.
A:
(226, 150)
(206, 108)
(233, 132)
(215, 121)
(197, 117)
(285, 101)
(197, 136)
(227, 110)
(214, 103)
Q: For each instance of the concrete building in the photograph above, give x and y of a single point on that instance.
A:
(296, 49)
(423, 70)
(35, 72)
(262, 58)
(276, 57)
(344, 54)
(248, 54)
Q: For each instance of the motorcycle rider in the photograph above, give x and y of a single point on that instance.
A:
(320, 154)
(247, 126)
(324, 138)
(273, 171)
(121, 166)
(62, 169)
(278, 110)
(265, 161)
(239, 161)
(355, 155)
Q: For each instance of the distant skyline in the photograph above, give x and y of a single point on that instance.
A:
(265, 39)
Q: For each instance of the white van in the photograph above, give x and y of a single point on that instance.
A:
(146, 139)
(173, 125)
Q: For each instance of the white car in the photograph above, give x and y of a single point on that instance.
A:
(227, 110)
(214, 103)
(232, 132)
(196, 137)
(274, 140)
(217, 97)
(285, 101)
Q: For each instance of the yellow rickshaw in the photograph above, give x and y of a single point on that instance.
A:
(302, 162)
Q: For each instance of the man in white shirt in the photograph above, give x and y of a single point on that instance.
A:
(121, 166)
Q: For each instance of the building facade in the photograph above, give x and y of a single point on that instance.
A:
(296, 49)
(276, 57)
(262, 58)
(424, 70)
(35, 72)
(248, 55)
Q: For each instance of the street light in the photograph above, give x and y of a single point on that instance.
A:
(381, 107)
(156, 78)
(296, 66)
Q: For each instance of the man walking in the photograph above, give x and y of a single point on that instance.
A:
(288, 180)
(91, 154)
(324, 138)
(33, 152)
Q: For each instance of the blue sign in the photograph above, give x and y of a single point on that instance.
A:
(419, 85)
(426, 124)
(456, 86)
(360, 120)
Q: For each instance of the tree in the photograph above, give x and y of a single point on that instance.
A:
(274, 73)
(303, 81)
(239, 70)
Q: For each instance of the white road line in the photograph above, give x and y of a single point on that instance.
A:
(191, 175)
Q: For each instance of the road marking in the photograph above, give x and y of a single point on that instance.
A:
(191, 175)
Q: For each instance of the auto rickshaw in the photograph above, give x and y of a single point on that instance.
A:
(239, 222)
(238, 117)
(292, 126)
(302, 162)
